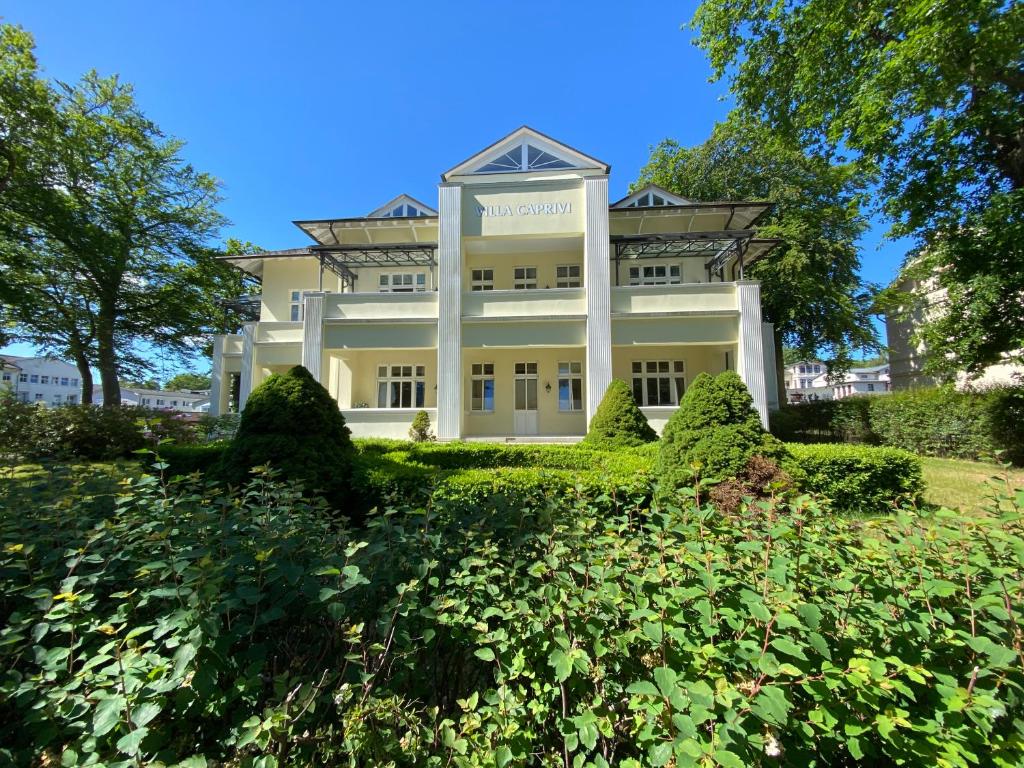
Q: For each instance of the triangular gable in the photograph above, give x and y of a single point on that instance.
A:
(402, 206)
(525, 150)
(651, 196)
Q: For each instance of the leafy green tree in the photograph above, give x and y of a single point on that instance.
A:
(186, 381)
(927, 98)
(714, 432)
(812, 292)
(104, 227)
(618, 421)
(292, 423)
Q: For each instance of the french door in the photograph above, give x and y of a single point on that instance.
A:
(525, 401)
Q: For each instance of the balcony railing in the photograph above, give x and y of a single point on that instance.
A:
(541, 302)
(381, 306)
(688, 297)
(279, 333)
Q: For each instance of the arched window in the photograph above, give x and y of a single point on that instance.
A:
(525, 157)
(403, 210)
(649, 200)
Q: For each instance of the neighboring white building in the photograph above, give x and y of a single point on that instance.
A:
(196, 401)
(41, 380)
(508, 308)
(924, 300)
(806, 380)
(873, 380)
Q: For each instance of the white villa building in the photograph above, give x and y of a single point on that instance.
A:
(809, 380)
(507, 307)
(40, 380)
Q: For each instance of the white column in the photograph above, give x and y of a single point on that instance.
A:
(750, 360)
(313, 333)
(449, 308)
(248, 360)
(597, 266)
(771, 375)
(217, 375)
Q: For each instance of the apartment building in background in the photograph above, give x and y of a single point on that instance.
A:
(41, 380)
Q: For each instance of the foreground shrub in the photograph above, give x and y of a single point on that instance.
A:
(618, 421)
(860, 478)
(714, 432)
(253, 632)
(292, 423)
(420, 432)
(205, 458)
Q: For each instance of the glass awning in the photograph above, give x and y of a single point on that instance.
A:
(716, 248)
(380, 254)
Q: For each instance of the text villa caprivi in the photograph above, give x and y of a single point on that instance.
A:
(526, 209)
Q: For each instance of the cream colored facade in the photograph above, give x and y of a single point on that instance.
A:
(506, 310)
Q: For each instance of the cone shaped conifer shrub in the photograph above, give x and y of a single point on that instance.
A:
(618, 421)
(714, 432)
(292, 423)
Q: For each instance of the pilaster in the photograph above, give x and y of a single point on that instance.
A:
(750, 357)
(217, 376)
(313, 333)
(449, 307)
(248, 360)
(597, 269)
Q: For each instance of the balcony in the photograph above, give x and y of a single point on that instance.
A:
(381, 306)
(278, 333)
(538, 303)
(688, 298)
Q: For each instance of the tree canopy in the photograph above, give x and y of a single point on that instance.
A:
(812, 291)
(188, 381)
(105, 228)
(929, 100)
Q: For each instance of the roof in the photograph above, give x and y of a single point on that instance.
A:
(628, 199)
(167, 392)
(402, 199)
(524, 132)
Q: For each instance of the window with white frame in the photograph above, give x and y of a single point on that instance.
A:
(34, 378)
(39, 395)
(649, 200)
(570, 386)
(404, 209)
(481, 280)
(568, 276)
(524, 278)
(56, 399)
(44, 380)
(295, 308)
(23, 378)
(63, 381)
(481, 395)
(658, 274)
(402, 282)
(72, 399)
(6, 377)
(401, 386)
(74, 382)
(524, 157)
(659, 382)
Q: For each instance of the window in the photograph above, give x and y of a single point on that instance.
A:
(404, 210)
(525, 393)
(524, 278)
(6, 377)
(74, 382)
(145, 401)
(482, 280)
(570, 386)
(728, 361)
(650, 200)
(174, 403)
(159, 401)
(871, 387)
(400, 386)
(803, 369)
(56, 399)
(568, 276)
(817, 369)
(72, 399)
(34, 378)
(63, 380)
(295, 307)
(659, 382)
(23, 378)
(39, 396)
(46, 380)
(405, 282)
(525, 157)
(481, 396)
(655, 275)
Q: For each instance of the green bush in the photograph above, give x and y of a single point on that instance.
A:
(187, 628)
(714, 432)
(186, 459)
(420, 432)
(859, 478)
(618, 421)
(292, 423)
(933, 421)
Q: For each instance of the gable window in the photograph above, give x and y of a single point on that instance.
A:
(659, 382)
(405, 282)
(655, 275)
(404, 210)
(570, 386)
(401, 386)
(525, 157)
(568, 276)
(649, 200)
(482, 388)
(482, 280)
(524, 278)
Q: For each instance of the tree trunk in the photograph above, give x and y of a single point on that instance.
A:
(107, 356)
(780, 368)
(85, 373)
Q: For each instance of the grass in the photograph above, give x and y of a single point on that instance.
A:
(964, 485)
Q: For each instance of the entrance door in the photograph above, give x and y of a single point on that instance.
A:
(525, 406)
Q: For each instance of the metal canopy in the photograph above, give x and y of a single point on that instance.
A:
(672, 244)
(246, 306)
(379, 254)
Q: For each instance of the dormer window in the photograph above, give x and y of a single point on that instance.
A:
(649, 200)
(525, 157)
(403, 210)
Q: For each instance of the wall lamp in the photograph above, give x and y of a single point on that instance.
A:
(547, 386)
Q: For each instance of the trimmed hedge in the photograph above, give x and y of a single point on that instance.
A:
(618, 421)
(859, 478)
(186, 459)
(934, 421)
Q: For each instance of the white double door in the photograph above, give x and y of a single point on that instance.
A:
(524, 413)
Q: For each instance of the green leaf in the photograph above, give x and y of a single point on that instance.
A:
(485, 654)
(666, 680)
(643, 688)
(788, 647)
(130, 742)
(562, 664)
(107, 715)
(728, 759)
(660, 753)
(145, 712)
(771, 705)
(502, 756)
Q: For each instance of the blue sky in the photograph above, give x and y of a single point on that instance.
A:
(306, 110)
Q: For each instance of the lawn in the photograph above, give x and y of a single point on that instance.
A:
(964, 485)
